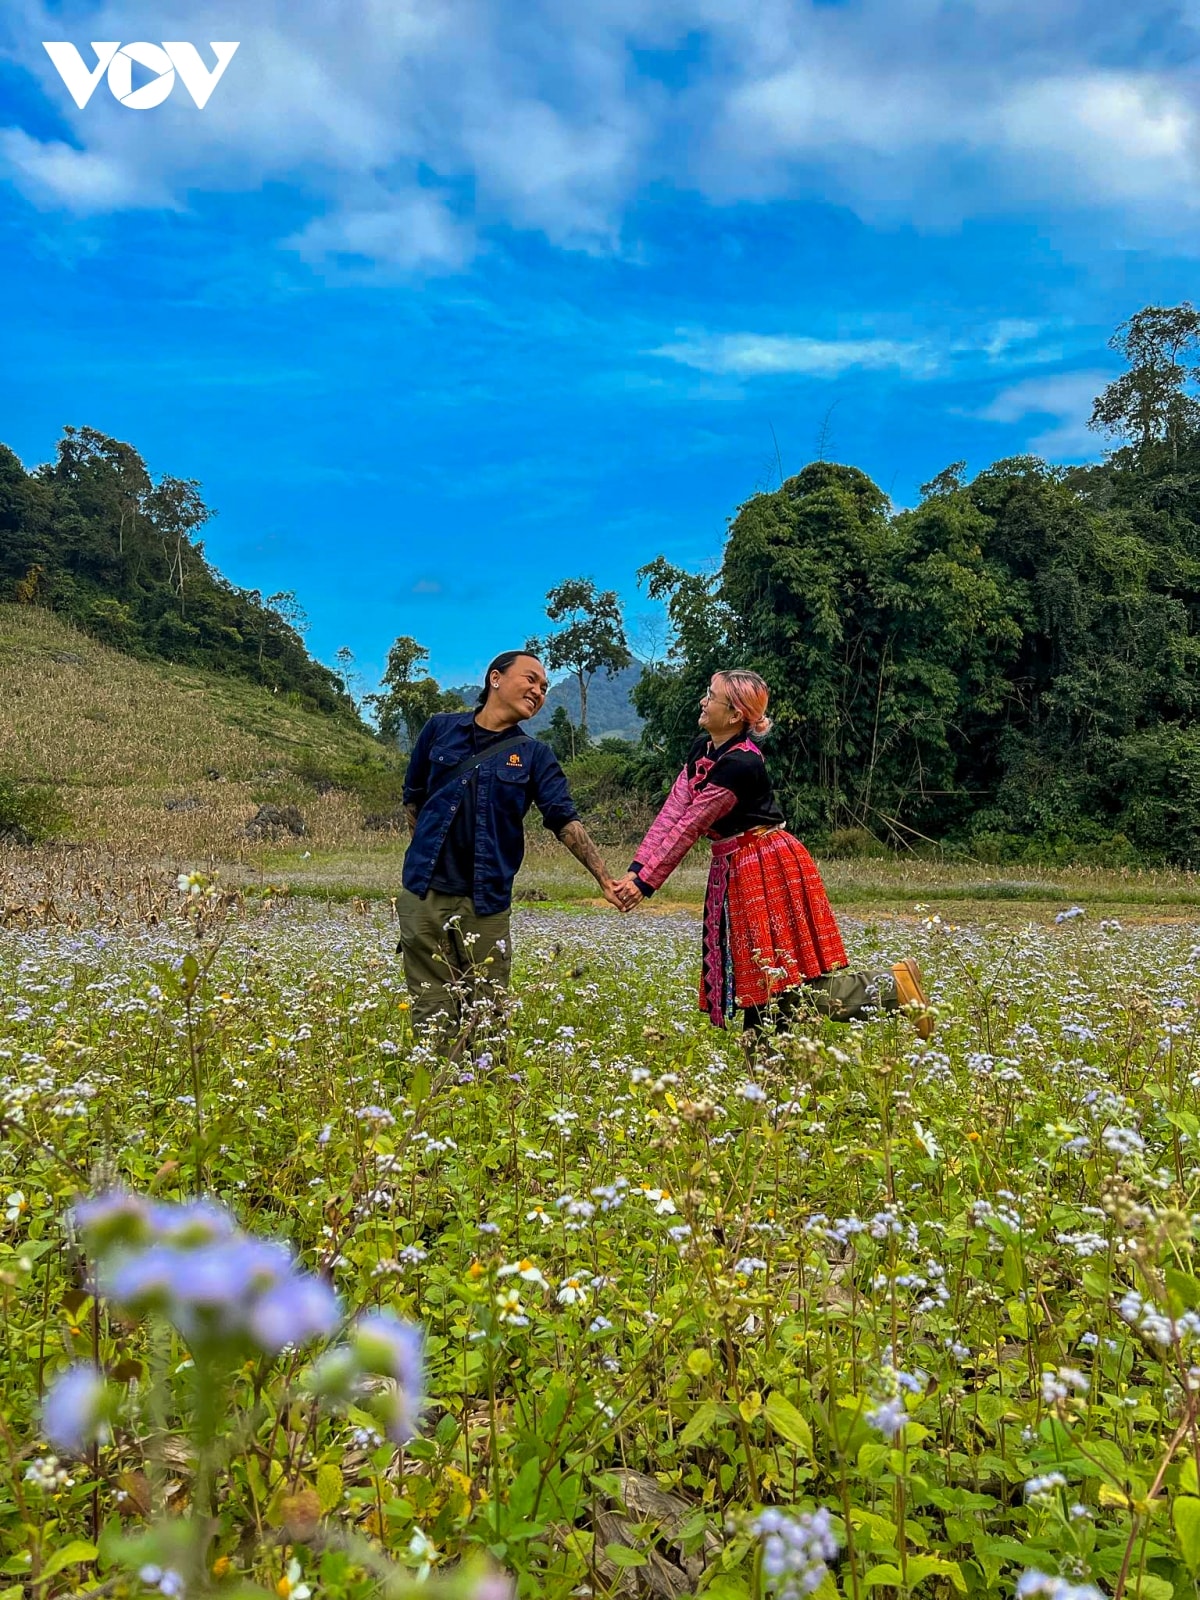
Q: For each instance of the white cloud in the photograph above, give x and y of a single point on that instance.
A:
(931, 142)
(1066, 397)
(1005, 336)
(80, 180)
(405, 231)
(1118, 136)
(538, 117)
(749, 355)
(1010, 342)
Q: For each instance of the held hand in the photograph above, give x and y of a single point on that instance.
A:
(628, 893)
(611, 890)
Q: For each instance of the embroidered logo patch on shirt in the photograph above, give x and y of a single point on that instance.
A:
(514, 760)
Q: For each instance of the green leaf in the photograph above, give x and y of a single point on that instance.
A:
(704, 1420)
(1107, 1459)
(418, 1085)
(1014, 1277)
(922, 1567)
(524, 1489)
(329, 1487)
(871, 1456)
(879, 1527)
(700, 1363)
(622, 1556)
(77, 1550)
(1149, 1587)
(1185, 1514)
(556, 1400)
(1018, 1315)
(882, 1574)
(919, 1568)
(789, 1424)
(727, 1586)
(1184, 1285)
(991, 1407)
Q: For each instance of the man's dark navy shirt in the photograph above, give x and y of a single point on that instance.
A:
(504, 790)
(454, 869)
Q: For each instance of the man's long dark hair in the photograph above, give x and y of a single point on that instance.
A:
(501, 664)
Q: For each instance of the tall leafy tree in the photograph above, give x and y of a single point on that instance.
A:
(668, 693)
(561, 735)
(1153, 403)
(592, 638)
(800, 574)
(880, 637)
(407, 695)
(177, 512)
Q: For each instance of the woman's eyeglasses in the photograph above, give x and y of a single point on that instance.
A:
(709, 695)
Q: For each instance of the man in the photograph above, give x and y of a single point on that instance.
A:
(471, 778)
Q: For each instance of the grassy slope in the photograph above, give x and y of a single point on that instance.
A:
(118, 738)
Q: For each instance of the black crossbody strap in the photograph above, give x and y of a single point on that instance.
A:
(480, 756)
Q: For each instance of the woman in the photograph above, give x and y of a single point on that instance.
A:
(769, 931)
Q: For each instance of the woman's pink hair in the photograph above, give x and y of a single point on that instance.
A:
(748, 695)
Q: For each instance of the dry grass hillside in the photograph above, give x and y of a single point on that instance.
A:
(169, 761)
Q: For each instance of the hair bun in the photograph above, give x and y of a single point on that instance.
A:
(762, 727)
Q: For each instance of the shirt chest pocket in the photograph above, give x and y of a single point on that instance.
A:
(441, 764)
(512, 788)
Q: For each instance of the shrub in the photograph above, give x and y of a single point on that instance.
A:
(1087, 845)
(32, 809)
(378, 787)
(110, 620)
(605, 787)
(854, 844)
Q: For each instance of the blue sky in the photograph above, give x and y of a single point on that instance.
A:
(444, 302)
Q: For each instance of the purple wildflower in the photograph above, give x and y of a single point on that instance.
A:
(889, 1416)
(300, 1309)
(72, 1410)
(394, 1349)
(1034, 1582)
(795, 1550)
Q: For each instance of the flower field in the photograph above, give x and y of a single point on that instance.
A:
(609, 1306)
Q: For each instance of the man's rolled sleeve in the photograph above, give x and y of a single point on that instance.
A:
(416, 777)
(551, 796)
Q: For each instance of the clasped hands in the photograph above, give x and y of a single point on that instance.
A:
(623, 893)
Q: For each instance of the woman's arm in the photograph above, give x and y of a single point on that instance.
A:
(684, 818)
(673, 809)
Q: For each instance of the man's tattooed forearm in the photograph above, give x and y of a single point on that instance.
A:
(575, 837)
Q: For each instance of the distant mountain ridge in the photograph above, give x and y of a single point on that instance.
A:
(611, 712)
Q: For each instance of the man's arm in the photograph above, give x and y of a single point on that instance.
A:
(553, 800)
(578, 841)
(416, 779)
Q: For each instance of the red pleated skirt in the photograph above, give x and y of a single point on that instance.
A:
(768, 924)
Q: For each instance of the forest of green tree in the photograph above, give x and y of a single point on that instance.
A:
(93, 537)
(1011, 666)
